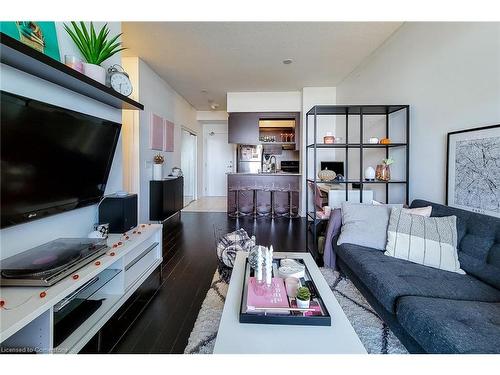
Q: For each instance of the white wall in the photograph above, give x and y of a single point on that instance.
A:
(287, 101)
(158, 98)
(76, 223)
(449, 73)
(210, 116)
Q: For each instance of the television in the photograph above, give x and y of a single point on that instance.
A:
(52, 159)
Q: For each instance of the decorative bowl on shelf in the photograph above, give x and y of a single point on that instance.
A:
(327, 175)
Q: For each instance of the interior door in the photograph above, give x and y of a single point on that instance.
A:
(188, 165)
(219, 161)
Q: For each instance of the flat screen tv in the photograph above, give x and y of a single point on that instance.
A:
(52, 159)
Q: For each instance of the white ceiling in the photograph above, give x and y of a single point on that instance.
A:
(221, 57)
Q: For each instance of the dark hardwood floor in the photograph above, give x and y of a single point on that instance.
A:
(165, 324)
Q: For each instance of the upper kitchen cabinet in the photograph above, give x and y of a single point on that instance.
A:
(278, 128)
(243, 128)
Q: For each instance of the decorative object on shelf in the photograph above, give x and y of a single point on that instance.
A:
(473, 170)
(326, 175)
(385, 141)
(253, 255)
(327, 210)
(94, 47)
(339, 178)
(373, 140)
(369, 174)
(100, 231)
(329, 138)
(176, 172)
(303, 297)
(383, 172)
(291, 268)
(291, 286)
(158, 161)
(41, 36)
(157, 133)
(119, 80)
(74, 63)
(168, 145)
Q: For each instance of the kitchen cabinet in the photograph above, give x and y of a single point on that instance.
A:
(243, 128)
(295, 116)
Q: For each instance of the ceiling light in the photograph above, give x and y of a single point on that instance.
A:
(204, 91)
(287, 61)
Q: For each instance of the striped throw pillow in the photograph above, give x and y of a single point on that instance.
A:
(431, 241)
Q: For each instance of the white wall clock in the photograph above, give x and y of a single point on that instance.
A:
(119, 80)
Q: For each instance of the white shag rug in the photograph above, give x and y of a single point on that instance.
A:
(372, 331)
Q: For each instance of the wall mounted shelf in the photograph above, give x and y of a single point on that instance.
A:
(24, 58)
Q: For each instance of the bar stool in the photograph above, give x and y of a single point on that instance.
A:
(280, 210)
(236, 212)
(291, 207)
(245, 209)
(264, 209)
(255, 190)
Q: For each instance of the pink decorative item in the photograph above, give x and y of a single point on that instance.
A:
(156, 133)
(276, 297)
(73, 62)
(169, 137)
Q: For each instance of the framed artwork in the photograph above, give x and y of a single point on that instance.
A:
(156, 133)
(473, 170)
(41, 36)
(169, 136)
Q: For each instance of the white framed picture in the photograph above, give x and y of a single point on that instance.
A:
(473, 170)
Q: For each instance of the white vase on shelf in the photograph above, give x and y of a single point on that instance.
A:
(157, 172)
(96, 72)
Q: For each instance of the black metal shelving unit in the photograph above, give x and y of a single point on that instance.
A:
(351, 110)
(27, 59)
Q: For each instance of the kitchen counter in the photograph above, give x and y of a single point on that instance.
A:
(265, 174)
(251, 193)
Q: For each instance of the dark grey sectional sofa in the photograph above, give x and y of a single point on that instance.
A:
(430, 310)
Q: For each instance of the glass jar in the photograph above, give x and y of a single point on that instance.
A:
(383, 172)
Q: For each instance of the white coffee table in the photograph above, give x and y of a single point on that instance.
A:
(244, 338)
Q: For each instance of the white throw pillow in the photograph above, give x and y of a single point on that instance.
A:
(422, 211)
(430, 241)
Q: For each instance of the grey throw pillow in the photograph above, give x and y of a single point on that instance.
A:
(364, 225)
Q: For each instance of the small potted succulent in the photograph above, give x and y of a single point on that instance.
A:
(94, 46)
(303, 298)
(158, 161)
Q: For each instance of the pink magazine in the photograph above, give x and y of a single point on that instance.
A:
(260, 297)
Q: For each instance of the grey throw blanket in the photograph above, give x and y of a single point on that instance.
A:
(332, 234)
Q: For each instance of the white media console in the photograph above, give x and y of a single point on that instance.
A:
(27, 313)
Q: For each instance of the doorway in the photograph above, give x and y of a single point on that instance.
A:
(219, 159)
(188, 165)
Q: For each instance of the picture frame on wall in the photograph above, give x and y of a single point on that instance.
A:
(41, 36)
(156, 133)
(169, 136)
(473, 170)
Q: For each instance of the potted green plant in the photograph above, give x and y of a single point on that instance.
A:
(95, 47)
(303, 298)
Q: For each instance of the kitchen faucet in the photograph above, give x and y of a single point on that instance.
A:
(273, 165)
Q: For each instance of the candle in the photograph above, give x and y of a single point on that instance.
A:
(269, 267)
(258, 269)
